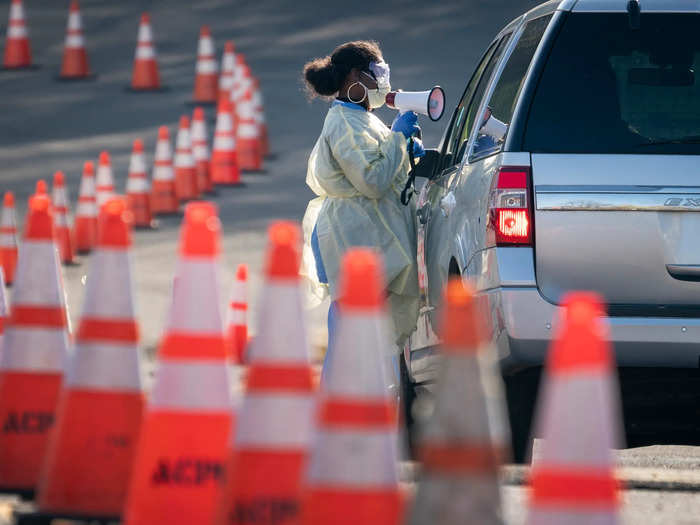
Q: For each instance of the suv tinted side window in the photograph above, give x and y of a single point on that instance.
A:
(463, 136)
(453, 139)
(505, 95)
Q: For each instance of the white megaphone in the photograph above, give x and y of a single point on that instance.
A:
(430, 103)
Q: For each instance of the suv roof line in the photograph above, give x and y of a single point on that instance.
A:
(620, 6)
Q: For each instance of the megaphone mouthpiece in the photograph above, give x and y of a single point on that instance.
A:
(430, 103)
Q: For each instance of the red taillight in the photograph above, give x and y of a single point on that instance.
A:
(509, 209)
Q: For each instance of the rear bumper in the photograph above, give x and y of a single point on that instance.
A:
(524, 323)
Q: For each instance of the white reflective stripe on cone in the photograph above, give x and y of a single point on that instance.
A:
(145, 34)
(197, 285)
(273, 344)
(353, 459)
(592, 443)
(200, 152)
(184, 159)
(105, 366)
(224, 122)
(86, 209)
(581, 516)
(145, 53)
(34, 350)
(163, 173)
(248, 131)
(106, 295)
(75, 41)
(39, 287)
(87, 186)
(59, 198)
(60, 220)
(245, 110)
(7, 239)
(363, 333)
(206, 67)
(16, 12)
(237, 317)
(163, 151)
(205, 47)
(137, 164)
(103, 196)
(74, 22)
(224, 143)
(16, 32)
(185, 385)
(137, 185)
(290, 428)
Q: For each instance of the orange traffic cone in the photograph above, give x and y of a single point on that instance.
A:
(105, 181)
(75, 60)
(34, 353)
(41, 188)
(274, 427)
(85, 227)
(18, 53)
(90, 453)
(228, 62)
(206, 75)
(224, 161)
(186, 187)
(578, 417)
(238, 315)
(8, 238)
(4, 310)
(259, 108)
(465, 440)
(163, 197)
(181, 453)
(64, 237)
(200, 151)
(145, 75)
(138, 192)
(249, 147)
(352, 476)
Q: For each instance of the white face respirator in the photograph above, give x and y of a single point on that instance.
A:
(381, 74)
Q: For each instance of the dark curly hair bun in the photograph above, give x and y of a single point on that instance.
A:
(324, 76)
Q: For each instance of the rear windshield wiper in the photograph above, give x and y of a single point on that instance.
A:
(695, 139)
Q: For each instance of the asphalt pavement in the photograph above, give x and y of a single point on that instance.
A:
(47, 126)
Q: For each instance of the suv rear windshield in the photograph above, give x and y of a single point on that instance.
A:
(609, 88)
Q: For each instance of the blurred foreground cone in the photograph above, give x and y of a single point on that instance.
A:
(163, 197)
(18, 53)
(91, 450)
(259, 108)
(238, 315)
(200, 151)
(182, 450)
(206, 81)
(352, 476)
(145, 75)
(138, 192)
(248, 143)
(105, 181)
(579, 421)
(224, 163)
(228, 62)
(186, 187)
(8, 238)
(465, 440)
(85, 227)
(275, 424)
(75, 59)
(4, 310)
(34, 353)
(64, 236)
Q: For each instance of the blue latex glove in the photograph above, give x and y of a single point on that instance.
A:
(418, 149)
(406, 123)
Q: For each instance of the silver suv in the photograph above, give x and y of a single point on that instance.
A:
(572, 162)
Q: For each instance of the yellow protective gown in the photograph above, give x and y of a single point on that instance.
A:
(358, 168)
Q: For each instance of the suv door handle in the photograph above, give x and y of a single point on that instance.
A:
(684, 272)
